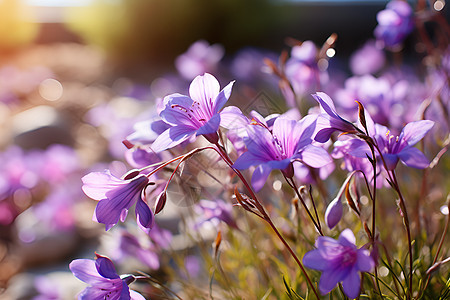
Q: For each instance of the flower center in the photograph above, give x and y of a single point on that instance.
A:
(393, 143)
(348, 257)
(195, 113)
(280, 153)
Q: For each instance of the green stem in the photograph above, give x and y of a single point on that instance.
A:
(408, 230)
(294, 187)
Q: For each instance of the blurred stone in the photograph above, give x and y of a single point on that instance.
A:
(40, 127)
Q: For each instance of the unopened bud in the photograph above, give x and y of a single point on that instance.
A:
(333, 214)
(217, 242)
(131, 174)
(160, 202)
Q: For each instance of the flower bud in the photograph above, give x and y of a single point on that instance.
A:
(160, 202)
(333, 214)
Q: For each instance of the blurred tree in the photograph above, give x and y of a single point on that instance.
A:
(156, 31)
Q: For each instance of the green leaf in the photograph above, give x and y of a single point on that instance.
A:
(290, 291)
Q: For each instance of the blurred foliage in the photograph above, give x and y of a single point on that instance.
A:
(16, 27)
(158, 31)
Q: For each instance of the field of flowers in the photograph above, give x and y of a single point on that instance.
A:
(257, 175)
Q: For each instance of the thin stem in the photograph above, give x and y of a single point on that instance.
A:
(163, 165)
(292, 184)
(408, 231)
(394, 277)
(441, 242)
(266, 217)
(374, 197)
(151, 279)
(393, 180)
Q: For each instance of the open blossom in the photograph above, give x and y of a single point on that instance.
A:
(384, 98)
(198, 59)
(394, 23)
(369, 59)
(288, 141)
(131, 246)
(199, 114)
(213, 212)
(330, 121)
(340, 261)
(302, 70)
(401, 147)
(103, 280)
(116, 196)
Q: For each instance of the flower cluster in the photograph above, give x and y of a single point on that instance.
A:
(253, 176)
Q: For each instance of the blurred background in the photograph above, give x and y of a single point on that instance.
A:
(75, 75)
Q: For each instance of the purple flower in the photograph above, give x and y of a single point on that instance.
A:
(46, 289)
(367, 60)
(395, 148)
(116, 196)
(394, 23)
(193, 266)
(56, 163)
(288, 141)
(198, 114)
(214, 212)
(343, 148)
(330, 121)
(302, 70)
(383, 98)
(340, 261)
(103, 279)
(131, 246)
(198, 59)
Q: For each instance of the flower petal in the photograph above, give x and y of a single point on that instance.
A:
(107, 213)
(86, 271)
(314, 260)
(105, 267)
(365, 262)
(391, 160)
(287, 134)
(352, 284)
(211, 126)
(413, 157)
(347, 238)
(144, 215)
(259, 177)
(330, 279)
(172, 137)
(324, 129)
(124, 293)
(92, 293)
(415, 131)
(136, 296)
(176, 109)
(204, 89)
(96, 184)
(326, 103)
(223, 97)
(315, 156)
(246, 160)
(231, 117)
